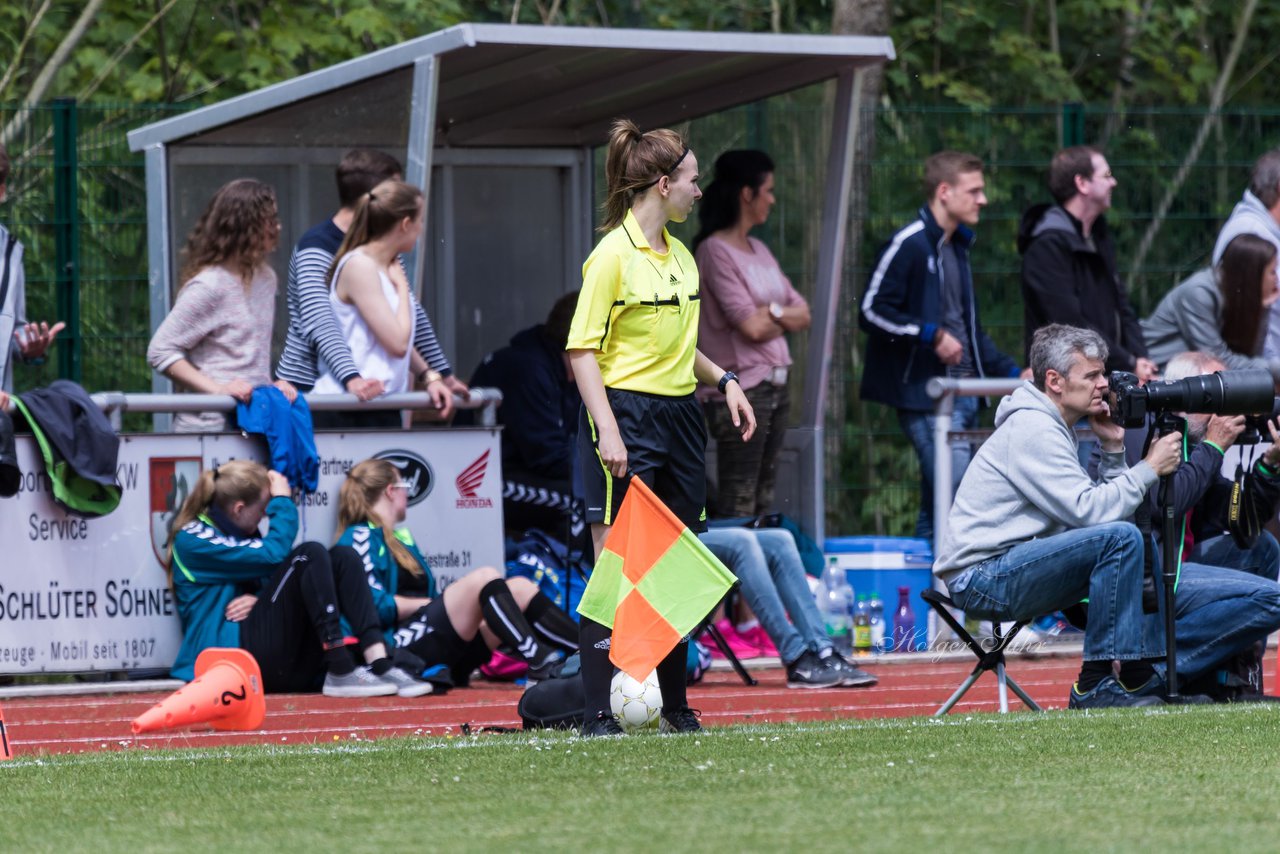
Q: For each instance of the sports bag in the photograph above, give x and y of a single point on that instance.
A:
(555, 703)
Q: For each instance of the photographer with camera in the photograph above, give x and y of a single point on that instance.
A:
(1226, 597)
(1031, 533)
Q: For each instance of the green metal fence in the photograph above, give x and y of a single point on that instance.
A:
(1166, 198)
(77, 201)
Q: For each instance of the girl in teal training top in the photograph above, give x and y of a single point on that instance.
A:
(456, 629)
(237, 588)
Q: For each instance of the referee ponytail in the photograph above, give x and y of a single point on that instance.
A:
(633, 163)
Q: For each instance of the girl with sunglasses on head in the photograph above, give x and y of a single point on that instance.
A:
(458, 628)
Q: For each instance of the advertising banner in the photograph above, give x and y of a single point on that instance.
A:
(92, 594)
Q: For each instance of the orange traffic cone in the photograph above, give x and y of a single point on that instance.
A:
(6, 749)
(227, 691)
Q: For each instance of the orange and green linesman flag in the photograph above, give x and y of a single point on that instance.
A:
(653, 583)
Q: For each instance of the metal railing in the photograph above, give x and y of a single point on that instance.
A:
(116, 403)
(945, 392)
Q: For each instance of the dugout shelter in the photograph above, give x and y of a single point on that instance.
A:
(497, 123)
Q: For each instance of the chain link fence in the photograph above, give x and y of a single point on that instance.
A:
(77, 201)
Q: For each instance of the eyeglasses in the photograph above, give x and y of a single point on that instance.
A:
(402, 484)
(1104, 175)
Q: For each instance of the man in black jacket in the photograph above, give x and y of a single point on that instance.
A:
(539, 415)
(921, 316)
(1069, 270)
(1226, 597)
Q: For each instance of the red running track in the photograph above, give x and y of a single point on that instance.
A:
(102, 722)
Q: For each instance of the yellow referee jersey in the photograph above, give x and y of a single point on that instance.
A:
(639, 310)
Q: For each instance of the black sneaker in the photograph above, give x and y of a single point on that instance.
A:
(683, 719)
(809, 671)
(1156, 687)
(549, 669)
(603, 725)
(851, 676)
(1109, 693)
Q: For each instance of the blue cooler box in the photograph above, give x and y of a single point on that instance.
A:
(882, 565)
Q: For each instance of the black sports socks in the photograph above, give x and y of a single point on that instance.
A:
(551, 623)
(503, 616)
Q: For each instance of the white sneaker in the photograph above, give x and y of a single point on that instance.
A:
(406, 684)
(358, 683)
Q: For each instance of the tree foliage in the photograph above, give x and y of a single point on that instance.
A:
(975, 55)
(987, 75)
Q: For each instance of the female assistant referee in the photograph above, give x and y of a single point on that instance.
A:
(633, 349)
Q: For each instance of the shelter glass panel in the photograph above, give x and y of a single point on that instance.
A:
(509, 267)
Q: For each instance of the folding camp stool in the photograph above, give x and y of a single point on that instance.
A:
(988, 659)
(708, 625)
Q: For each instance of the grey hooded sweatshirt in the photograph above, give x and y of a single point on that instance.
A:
(1250, 216)
(1026, 481)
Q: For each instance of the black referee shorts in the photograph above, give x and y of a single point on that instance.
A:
(666, 442)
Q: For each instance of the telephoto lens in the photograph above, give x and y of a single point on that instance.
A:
(1220, 393)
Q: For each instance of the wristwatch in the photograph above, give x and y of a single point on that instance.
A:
(729, 376)
(775, 312)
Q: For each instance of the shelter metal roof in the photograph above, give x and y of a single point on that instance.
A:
(516, 85)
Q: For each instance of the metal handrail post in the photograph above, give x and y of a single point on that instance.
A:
(942, 412)
(945, 391)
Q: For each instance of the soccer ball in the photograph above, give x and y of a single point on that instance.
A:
(636, 704)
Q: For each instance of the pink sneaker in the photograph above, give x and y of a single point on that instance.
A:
(759, 638)
(737, 643)
(503, 668)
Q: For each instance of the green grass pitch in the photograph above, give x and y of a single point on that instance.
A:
(1192, 778)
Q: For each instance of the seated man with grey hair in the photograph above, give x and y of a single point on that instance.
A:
(1031, 533)
(1226, 598)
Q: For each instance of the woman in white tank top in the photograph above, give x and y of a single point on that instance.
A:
(369, 291)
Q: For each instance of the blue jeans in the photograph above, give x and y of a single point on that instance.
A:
(919, 429)
(1263, 560)
(774, 584)
(1221, 609)
(1103, 564)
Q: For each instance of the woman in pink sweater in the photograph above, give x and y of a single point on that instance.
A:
(217, 337)
(748, 307)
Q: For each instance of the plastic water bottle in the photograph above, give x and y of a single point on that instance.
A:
(833, 605)
(862, 626)
(904, 623)
(876, 607)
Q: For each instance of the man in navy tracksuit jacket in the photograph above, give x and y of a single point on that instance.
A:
(921, 317)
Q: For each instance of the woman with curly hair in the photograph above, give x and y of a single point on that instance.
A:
(217, 337)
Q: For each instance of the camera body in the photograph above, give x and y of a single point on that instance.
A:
(1255, 426)
(1249, 392)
